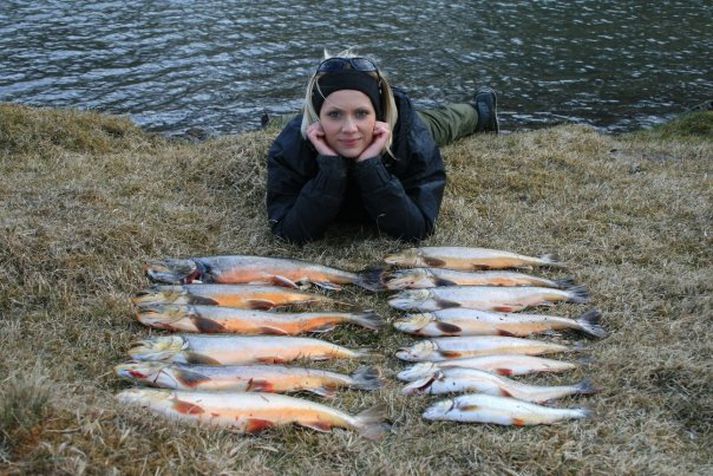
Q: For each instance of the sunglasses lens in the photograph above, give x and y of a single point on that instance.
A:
(332, 65)
(363, 64)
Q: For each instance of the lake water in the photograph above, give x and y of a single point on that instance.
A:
(216, 65)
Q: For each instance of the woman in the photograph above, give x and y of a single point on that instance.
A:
(361, 153)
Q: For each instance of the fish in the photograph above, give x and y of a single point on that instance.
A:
(232, 350)
(501, 364)
(247, 378)
(251, 412)
(444, 348)
(229, 295)
(481, 408)
(241, 269)
(466, 259)
(457, 379)
(485, 298)
(418, 278)
(460, 321)
(217, 319)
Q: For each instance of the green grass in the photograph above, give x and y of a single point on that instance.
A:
(87, 198)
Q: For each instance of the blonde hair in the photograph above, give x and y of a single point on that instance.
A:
(391, 114)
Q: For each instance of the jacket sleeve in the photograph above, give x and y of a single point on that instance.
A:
(300, 206)
(405, 208)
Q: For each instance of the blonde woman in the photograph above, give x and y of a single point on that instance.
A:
(361, 153)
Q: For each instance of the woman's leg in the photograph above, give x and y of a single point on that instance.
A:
(451, 122)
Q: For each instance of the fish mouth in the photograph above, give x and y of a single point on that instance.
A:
(439, 409)
(416, 371)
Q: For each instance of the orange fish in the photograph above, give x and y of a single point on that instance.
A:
(466, 259)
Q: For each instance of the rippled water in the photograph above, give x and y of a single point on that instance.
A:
(173, 65)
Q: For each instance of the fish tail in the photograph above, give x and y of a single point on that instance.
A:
(366, 378)
(589, 321)
(586, 387)
(371, 423)
(371, 280)
(369, 319)
(364, 353)
(578, 294)
(565, 283)
(551, 260)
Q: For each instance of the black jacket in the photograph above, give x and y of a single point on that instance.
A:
(402, 196)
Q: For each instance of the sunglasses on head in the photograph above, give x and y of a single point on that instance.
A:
(331, 65)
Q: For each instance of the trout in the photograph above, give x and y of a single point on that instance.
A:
(250, 412)
(460, 321)
(418, 278)
(216, 319)
(456, 380)
(502, 364)
(480, 408)
(248, 378)
(229, 295)
(466, 259)
(257, 270)
(228, 349)
(444, 348)
(485, 298)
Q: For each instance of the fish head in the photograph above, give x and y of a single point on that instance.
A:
(417, 371)
(158, 348)
(172, 271)
(147, 372)
(159, 294)
(438, 410)
(413, 323)
(409, 299)
(407, 257)
(409, 279)
(417, 352)
(161, 315)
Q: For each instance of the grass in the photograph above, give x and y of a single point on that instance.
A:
(87, 198)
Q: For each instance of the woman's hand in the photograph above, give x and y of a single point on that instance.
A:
(381, 135)
(315, 134)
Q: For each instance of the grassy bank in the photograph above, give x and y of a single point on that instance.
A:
(86, 199)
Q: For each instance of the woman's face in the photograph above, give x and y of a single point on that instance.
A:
(347, 117)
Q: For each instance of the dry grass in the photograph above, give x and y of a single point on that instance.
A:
(87, 198)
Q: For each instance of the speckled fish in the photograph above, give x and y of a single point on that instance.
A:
(485, 298)
(419, 278)
(481, 408)
(247, 378)
(460, 321)
(458, 380)
(467, 259)
(229, 295)
(257, 270)
(443, 348)
(228, 349)
(250, 412)
(501, 364)
(216, 319)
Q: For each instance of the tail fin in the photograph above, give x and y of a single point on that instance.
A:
(578, 294)
(365, 353)
(366, 378)
(565, 283)
(552, 261)
(369, 319)
(371, 423)
(586, 387)
(590, 323)
(371, 280)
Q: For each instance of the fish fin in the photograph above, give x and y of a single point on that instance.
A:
(283, 281)
(504, 371)
(578, 294)
(364, 353)
(327, 285)
(518, 422)
(435, 262)
(196, 358)
(504, 308)
(366, 378)
(257, 385)
(208, 326)
(448, 328)
(260, 304)
(590, 323)
(322, 426)
(272, 331)
(565, 283)
(450, 354)
(445, 304)
(443, 282)
(371, 423)
(504, 333)
(323, 328)
(325, 391)
(552, 260)
(193, 299)
(369, 319)
(187, 408)
(505, 393)
(254, 425)
(586, 387)
(190, 378)
(371, 280)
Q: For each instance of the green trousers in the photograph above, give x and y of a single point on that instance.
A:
(447, 123)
